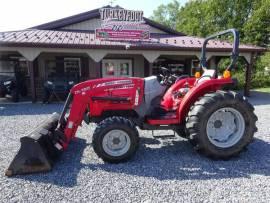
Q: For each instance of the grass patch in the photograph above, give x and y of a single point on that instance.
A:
(263, 89)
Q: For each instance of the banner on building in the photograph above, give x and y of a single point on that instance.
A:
(121, 24)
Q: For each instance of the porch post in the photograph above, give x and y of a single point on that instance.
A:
(249, 68)
(151, 65)
(97, 66)
(148, 68)
(30, 65)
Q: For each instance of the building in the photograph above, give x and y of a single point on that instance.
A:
(106, 42)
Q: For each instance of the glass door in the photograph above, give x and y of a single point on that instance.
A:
(116, 68)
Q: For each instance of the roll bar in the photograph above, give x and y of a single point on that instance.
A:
(235, 49)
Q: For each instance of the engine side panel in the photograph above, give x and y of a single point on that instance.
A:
(111, 94)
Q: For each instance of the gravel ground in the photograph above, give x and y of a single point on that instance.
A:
(163, 170)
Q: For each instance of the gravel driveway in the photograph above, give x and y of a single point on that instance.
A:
(163, 170)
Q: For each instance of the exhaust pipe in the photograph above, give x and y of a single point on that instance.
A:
(38, 150)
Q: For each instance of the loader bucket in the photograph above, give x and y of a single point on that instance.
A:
(38, 151)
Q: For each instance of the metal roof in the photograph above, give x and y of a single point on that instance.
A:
(86, 40)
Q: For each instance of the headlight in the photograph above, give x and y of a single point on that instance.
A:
(49, 83)
(7, 83)
(71, 82)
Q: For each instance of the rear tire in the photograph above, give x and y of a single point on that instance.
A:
(220, 125)
(115, 139)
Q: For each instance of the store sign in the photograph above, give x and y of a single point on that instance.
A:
(121, 15)
(121, 24)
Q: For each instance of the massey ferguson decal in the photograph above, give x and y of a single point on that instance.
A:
(117, 82)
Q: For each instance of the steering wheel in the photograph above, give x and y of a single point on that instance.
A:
(164, 76)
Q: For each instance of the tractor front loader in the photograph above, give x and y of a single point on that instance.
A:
(218, 123)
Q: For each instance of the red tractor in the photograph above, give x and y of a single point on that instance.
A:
(218, 123)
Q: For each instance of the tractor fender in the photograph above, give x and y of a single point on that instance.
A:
(197, 91)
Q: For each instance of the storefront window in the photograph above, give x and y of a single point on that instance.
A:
(175, 67)
(69, 66)
(7, 67)
(72, 66)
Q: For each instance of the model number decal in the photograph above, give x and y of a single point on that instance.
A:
(82, 90)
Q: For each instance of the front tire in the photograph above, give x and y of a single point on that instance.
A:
(115, 139)
(221, 124)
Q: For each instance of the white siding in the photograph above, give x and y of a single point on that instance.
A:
(85, 25)
(96, 23)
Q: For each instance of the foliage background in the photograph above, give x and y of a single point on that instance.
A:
(205, 17)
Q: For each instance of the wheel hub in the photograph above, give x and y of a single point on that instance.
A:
(225, 127)
(217, 124)
(116, 142)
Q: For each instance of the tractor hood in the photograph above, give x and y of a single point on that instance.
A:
(109, 84)
(106, 94)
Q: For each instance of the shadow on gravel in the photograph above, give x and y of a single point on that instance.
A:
(178, 161)
(29, 109)
(173, 160)
(259, 98)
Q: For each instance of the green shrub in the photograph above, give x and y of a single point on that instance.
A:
(263, 61)
(240, 76)
(258, 80)
(259, 76)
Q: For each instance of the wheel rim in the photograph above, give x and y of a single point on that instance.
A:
(225, 127)
(116, 143)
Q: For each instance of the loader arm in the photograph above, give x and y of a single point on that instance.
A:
(78, 101)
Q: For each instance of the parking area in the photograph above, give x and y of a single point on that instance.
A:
(163, 170)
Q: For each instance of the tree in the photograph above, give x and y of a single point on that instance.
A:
(167, 14)
(257, 27)
(194, 18)
(204, 17)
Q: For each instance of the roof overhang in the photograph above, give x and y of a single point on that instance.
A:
(124, 47)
